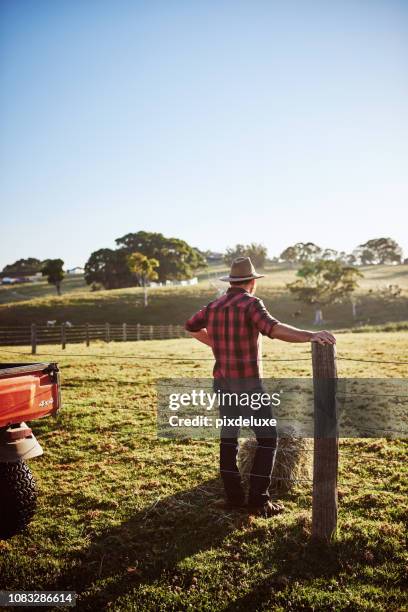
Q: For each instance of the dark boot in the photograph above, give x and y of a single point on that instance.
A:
(230, 475)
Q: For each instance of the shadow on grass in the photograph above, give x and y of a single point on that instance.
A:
(151, 542)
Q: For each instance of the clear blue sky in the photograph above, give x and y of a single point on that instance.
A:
(214, 121)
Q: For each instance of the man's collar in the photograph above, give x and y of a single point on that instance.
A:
(236, 289)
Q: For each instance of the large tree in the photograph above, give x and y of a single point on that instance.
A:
(379, 251)
(324, 282)
(109, 268)
(177, 259)
(257, 253)
(53, 270)
(23, 267)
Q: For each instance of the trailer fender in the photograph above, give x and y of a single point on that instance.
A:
(18, 443)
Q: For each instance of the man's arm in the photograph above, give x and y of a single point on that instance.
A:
(268, 326)
(201, 336)
(196, 327)
(287, 333)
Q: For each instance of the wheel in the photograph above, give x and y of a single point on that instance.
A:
(18, 494)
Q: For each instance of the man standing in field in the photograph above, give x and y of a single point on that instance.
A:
(231, 325)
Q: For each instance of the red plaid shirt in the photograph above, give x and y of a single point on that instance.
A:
(234, 322)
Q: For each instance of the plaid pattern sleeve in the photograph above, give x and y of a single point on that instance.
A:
(233, 323)
(261, 318)
(197, 321)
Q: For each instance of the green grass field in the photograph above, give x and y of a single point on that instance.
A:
(27, 304)
(132, 522)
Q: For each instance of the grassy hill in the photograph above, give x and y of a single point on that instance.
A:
(11, 294)
(172, 305)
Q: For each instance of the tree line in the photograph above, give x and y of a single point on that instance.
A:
(374, 251)
(325, 276)
(142, 257)
(138, 259)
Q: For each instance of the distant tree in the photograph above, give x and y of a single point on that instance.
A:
(203, 254)
(177, 259)
(330, 254)
(23, 267)
(364, 256)
(52, 269)
(347, 259)
(231, 253)
(257, 253)
(290, 254)
(379, 251)
(108, 268)
(301, 252)
(144, 269)
(309, 251)
(212, 256)
(324, 282)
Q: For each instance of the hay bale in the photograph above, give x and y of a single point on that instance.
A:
(293, 461)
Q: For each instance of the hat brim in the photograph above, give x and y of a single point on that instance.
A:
(234, 279)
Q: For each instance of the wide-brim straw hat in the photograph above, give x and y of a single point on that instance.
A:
(242, 269)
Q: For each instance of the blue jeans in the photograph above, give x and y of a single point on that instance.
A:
(231, 406)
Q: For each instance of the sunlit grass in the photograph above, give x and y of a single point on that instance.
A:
(133, 522)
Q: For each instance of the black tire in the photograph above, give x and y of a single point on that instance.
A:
(18, 495)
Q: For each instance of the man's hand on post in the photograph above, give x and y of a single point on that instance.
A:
(323, 337)
(287, 333)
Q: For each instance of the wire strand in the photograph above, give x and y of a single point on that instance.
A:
(149, 357)
(183, 359)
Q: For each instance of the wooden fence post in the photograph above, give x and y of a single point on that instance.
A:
(87, 334)
(33, 338)
(326, 442)
(107, 332)
(63, 336)
(124, 332)
(151, 332)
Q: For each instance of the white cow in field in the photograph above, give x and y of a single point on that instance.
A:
(53, 323)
